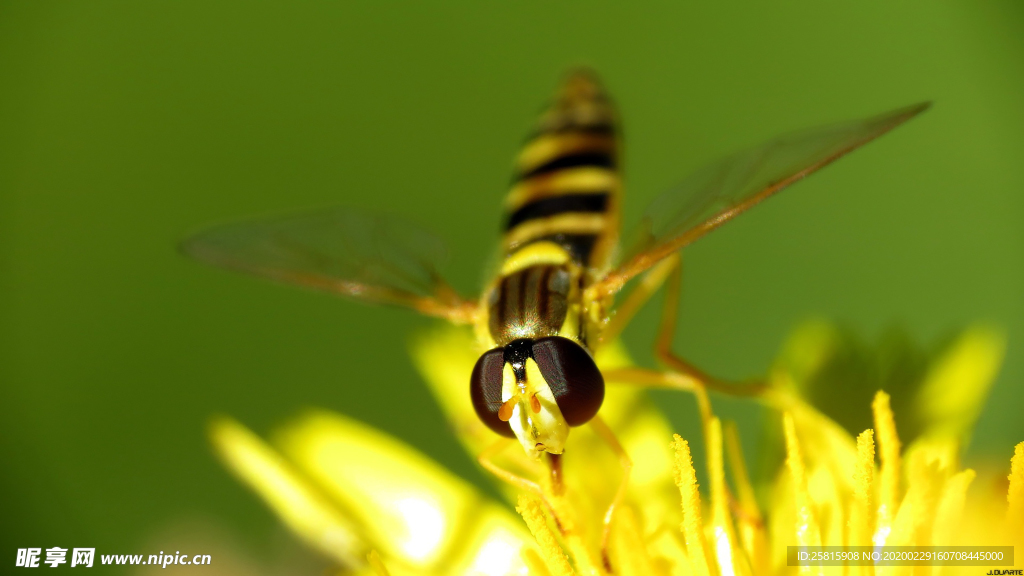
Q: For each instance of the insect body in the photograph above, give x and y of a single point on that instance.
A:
(561, 226)
(550, 306)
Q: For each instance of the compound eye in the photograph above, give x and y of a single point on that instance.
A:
(572, 376)
(485, 390)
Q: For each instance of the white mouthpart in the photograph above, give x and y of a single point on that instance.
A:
(541, 431)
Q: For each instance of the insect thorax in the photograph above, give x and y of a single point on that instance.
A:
(530, 303)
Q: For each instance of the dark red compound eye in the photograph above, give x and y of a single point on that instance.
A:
(485, 390)
(573, 377)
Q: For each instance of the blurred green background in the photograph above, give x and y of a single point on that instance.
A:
(123, 125)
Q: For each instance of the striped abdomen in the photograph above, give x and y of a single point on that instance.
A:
(561, 218)
(566, 185)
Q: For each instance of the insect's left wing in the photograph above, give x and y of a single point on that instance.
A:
(716, 193)
(345, 251)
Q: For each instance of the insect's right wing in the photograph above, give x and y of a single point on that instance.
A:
(716, 193)
(345, 251)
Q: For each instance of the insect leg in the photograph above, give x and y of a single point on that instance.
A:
(651, 281)
(666, 333)
(486, 459)
(647, 378)
(447, 305)
(608, 436)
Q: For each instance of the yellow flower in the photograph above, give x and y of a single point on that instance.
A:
(377, 506)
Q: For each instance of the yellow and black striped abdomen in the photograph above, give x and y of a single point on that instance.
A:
(566, 184)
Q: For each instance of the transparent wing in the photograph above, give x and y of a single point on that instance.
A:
(342, 250)
(716, 193)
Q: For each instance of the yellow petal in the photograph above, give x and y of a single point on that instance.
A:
(807, 349)
(916, 515)
(376, 564)
(631, 555)
(410, 508)
(828, 502)
(823, 442)
(445, 356)
(957, 385)
(298, 502)
(951, 507)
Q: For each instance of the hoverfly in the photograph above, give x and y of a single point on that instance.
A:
(551, 304)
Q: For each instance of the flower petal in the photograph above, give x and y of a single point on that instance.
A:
(302, 507)
(444, 356)
(411, 509)
(958, 383)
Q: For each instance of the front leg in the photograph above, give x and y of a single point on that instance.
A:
(486, 459)
(666, 334)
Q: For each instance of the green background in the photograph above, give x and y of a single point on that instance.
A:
(125, 125)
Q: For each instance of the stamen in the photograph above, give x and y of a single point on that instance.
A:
(720, 518)
(1015, 495)
(693, 528)
(534, 403)
(808, 533)
(861, 520)
(889, 454)
(505, 412)
(531, 512)
(566, 522)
